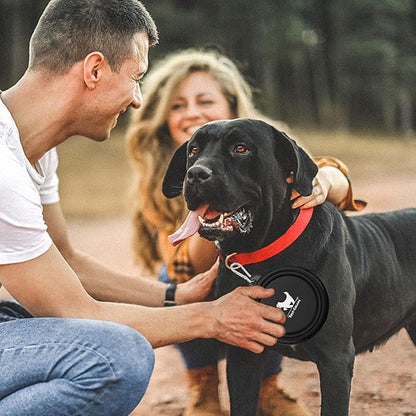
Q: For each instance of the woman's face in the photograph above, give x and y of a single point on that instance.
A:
(197, 100)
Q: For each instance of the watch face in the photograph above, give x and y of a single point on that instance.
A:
(302, 297)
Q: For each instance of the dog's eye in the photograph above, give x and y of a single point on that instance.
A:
(241, 148)
(193, 150)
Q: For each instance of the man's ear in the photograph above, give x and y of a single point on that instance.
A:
(93, 68)
(175, 174)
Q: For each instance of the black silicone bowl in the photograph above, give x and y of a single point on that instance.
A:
(302, 297)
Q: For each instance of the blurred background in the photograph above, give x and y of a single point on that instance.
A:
(341, 74)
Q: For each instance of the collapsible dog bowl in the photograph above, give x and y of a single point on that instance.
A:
(302, 297)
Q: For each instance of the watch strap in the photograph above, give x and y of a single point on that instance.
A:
(170, 294)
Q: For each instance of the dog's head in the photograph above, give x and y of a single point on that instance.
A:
(238, 176)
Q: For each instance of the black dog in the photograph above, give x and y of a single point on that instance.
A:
(238, 175)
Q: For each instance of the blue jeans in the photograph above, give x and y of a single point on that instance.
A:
(59, 366)
(202, 352)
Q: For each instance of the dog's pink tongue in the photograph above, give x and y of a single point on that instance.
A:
(189, 227)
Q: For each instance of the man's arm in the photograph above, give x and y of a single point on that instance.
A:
(99, 281)
(47, 286)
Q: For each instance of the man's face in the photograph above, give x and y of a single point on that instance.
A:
(118, 91)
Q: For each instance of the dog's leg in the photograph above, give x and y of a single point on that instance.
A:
(244, 374)
(335, 373)
(411, 329)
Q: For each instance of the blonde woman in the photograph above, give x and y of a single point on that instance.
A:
(183, 92)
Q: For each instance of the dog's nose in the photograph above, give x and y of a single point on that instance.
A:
(199, 174)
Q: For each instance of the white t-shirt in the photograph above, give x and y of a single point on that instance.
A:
(23, 190)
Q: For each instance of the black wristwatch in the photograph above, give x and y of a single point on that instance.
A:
(170, 294)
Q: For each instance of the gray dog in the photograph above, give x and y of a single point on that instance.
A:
(238, 176)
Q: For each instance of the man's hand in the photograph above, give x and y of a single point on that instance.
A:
(238, 318)
(242, 321)
(198, 289)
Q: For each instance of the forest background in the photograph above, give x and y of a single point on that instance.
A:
(341, 74)
(347, 64)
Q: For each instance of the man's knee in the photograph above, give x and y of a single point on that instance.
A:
(135, 359)
(103, 367)
(126, 361)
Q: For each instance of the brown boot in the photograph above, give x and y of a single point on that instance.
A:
(203, 397)
(274, 401)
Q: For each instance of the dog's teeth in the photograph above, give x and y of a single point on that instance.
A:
(221, 220)
(201, 220)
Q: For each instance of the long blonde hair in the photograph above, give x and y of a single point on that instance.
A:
(150, 145)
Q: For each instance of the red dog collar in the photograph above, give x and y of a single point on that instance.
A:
(284, 241)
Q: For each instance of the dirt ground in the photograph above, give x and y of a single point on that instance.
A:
(384, 382)
(383, 172)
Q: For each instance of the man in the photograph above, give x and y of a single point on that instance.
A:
(86, 60)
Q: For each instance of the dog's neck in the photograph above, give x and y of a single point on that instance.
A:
(281, 222)
(277, 246)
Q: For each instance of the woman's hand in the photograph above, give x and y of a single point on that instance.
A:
(329, 183)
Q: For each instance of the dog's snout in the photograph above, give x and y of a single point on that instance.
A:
(199, 174)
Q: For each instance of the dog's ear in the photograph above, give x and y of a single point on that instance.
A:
(175, 174)
(303, 167)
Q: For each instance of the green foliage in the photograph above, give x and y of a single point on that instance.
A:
(349, 63)
(329, 63)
